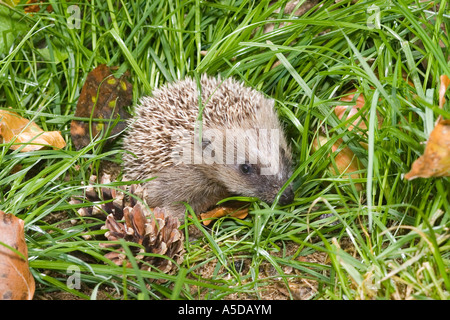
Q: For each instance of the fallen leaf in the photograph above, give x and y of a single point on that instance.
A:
(21, 131)
(17, 282)
(435, 161)
(340, 111)
(221, 212)
(445, 82)
(103, 96)
(35, 6)
(288, 9)
(346, 161)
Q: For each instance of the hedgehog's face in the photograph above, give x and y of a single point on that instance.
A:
(263, 186)
(259, 169)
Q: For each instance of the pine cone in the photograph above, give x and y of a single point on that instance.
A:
(114, 200)
(157, 232)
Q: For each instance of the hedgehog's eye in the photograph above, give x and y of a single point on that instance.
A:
(246, 168)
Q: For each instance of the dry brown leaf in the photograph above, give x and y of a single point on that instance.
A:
(435, 161)
(22, 131)
(445, 82)
(35, 6)
(16, 283)
(359, 103)
(103, 96)
(346, 161)
(221, 212)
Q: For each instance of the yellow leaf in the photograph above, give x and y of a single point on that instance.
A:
(346, 161)
(223, 211)
(445, 82)
(21, 131)
(435, 161)
(341, 110)
(17, 282)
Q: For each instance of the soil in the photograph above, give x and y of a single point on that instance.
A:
(272, 286)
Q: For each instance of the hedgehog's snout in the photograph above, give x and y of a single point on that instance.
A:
(287, 196)
(268, 192)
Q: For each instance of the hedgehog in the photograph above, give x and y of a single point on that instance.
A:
(228, 143)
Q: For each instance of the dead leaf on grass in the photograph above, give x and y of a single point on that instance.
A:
(103, 96)
(360, 101)
(445, 82)
(34, 6)
(221, 212)
(435, 161)
(16, 283)
(346, 161)
(21, 131)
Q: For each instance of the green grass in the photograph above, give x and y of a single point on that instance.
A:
(396, 231)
